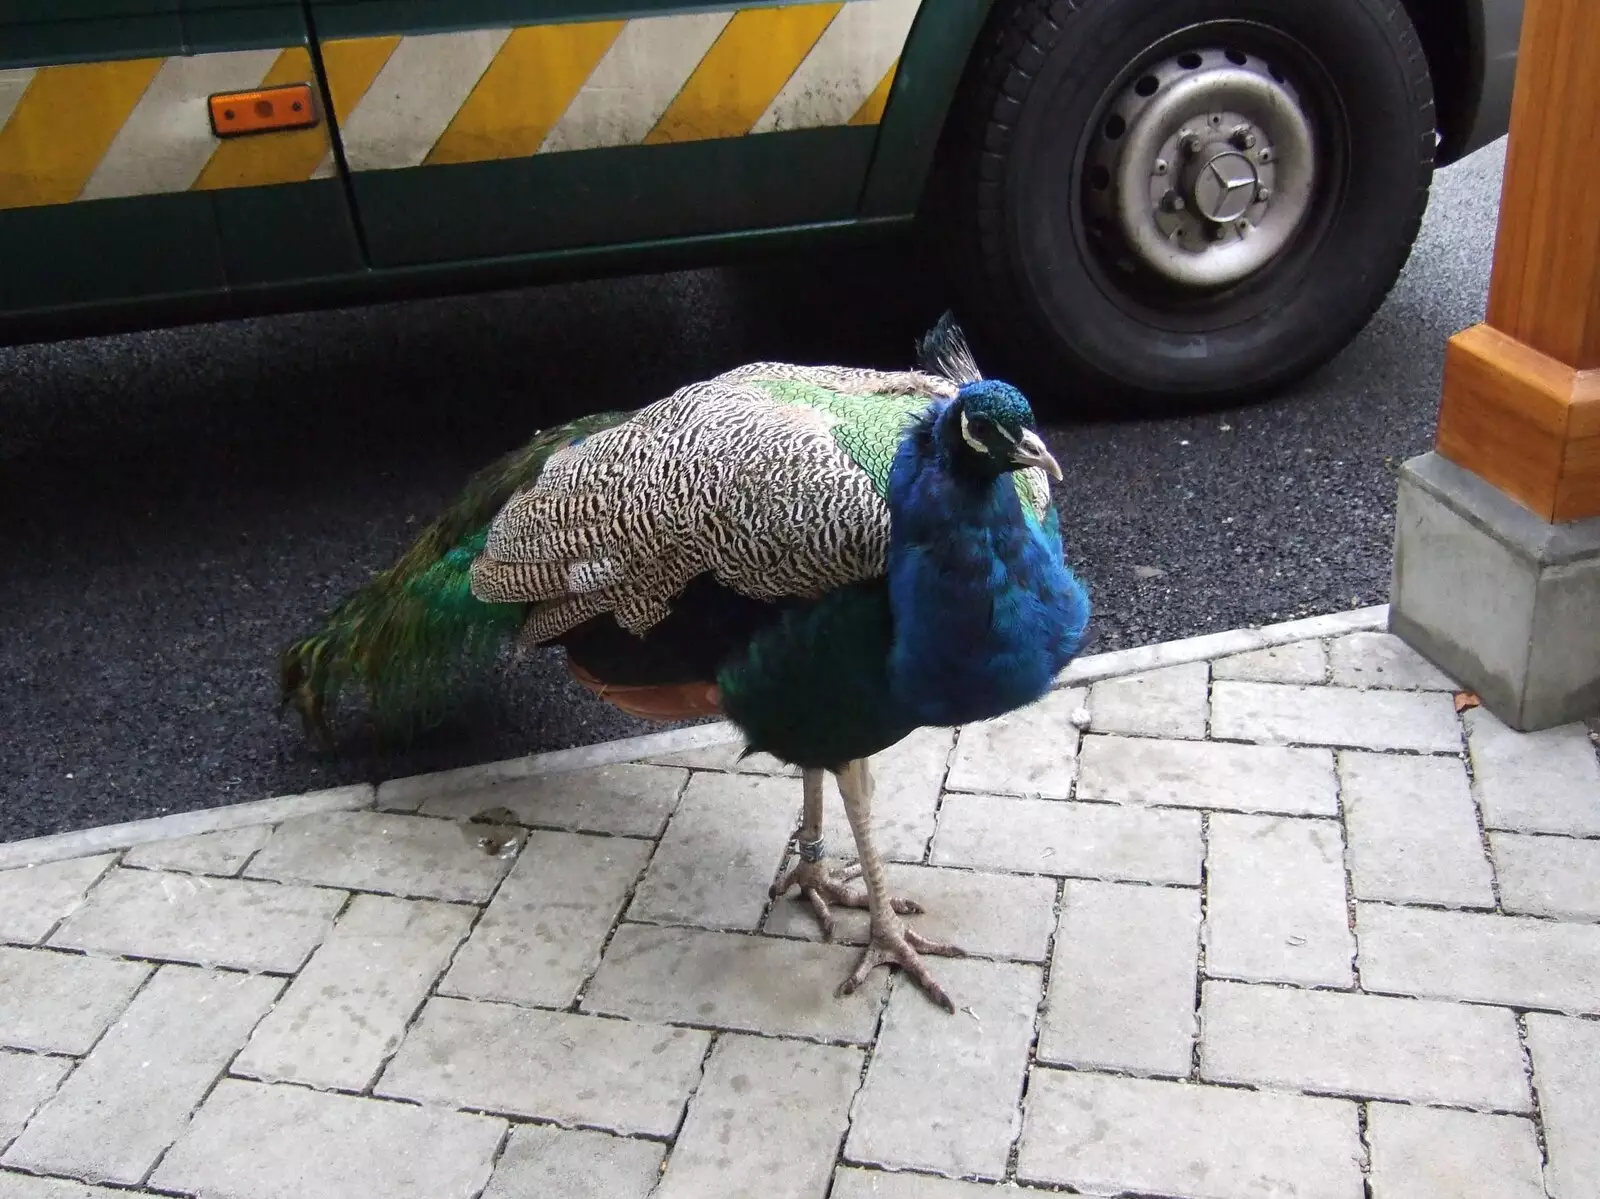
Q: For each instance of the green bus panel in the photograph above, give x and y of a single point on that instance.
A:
(595, 198)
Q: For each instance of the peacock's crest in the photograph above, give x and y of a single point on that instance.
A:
(943, 350)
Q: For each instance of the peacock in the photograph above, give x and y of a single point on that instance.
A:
(829, 557)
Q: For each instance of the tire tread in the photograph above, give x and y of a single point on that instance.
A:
(968, 201)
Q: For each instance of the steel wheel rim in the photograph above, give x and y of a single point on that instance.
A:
(1203, 168)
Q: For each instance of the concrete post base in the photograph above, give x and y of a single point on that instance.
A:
(1501, 601)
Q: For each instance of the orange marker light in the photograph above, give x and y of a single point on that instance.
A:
(271, 109)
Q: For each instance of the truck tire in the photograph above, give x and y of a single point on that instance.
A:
(1158, 204)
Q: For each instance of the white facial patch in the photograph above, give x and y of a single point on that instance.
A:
(966, 436)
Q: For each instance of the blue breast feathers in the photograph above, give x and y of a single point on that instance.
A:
(986, 611)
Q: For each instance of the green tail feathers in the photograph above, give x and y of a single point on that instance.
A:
(413, 633)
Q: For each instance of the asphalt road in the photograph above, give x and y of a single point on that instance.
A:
(174, 506)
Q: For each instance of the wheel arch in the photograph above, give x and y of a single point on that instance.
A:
(1470, 46)
(1030, 286)
(1453, 39)
(937, 57)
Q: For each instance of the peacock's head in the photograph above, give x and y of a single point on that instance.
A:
(996, 428)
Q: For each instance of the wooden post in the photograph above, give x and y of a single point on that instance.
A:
(1521, 403)
(1497, 532)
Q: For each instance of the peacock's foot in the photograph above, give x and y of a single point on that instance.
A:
(893, 943)
(826, 889)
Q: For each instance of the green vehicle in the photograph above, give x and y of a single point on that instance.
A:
(1168, 200)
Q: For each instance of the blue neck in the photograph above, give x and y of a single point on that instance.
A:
(986, 612)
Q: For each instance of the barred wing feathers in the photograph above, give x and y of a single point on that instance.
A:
(772, 478)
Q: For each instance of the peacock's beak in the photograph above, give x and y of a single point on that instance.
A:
(1030, 451)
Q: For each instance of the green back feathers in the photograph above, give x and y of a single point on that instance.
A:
(415, 630)
(870, 428)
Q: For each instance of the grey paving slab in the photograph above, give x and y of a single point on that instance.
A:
(1275, 907)
(1366, 1046)
(1372, 659)
(207, 921)
(907, 778)
(726, 980)
(1110, 1135)
(1032, 751)
(256, 1141)
(574, 1163)
(348, 1009)
(1271, 713)
(408, 794)
(630, 799)
(132, 1096)
(26, 1081)
(1442, 1154)
(61, 1002)
(851, 1182)
(720, 852)
(766, 1120)
(988, 915)
(1548, 876)
(389, 852)
(1566, 1070)
(109, 837)
(1545, 782)
(571, 1069)
(28, 1186)
(223, 852)
(1413, 831)
(1230, 641)
(1209, 774)
(1297, 662)
(1171, 702)
(725, 756)
(711, 1022)
(1122, 985)
(1513, 960)
(942, 1091)
(1084, 840)
(34, 898)
(1113, 663)
(541, 935)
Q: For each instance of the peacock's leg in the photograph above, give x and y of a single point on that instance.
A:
(823, 887)
(891, 940)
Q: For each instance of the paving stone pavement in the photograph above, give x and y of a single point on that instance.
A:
(1274, 919)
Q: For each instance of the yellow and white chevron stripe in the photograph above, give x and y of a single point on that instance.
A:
(132, 127)
(487, 94)
(140, 126)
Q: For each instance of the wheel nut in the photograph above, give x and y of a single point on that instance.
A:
(1244, 138)
(1190, 142)
(1220, 232)
(1172, 202)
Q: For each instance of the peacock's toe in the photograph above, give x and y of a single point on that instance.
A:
(892, 943)
(826, 889)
